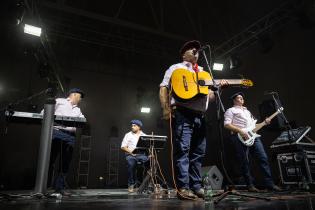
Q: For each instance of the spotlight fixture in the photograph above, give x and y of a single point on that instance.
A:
(33, 30)
(145, 110)
(217, 66)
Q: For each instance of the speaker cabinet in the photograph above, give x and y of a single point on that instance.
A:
(216, 178)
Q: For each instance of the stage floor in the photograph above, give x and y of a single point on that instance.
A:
(95, 199)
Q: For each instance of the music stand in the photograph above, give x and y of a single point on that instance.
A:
(152, 143)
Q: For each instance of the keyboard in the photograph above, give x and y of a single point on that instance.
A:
(293, 135)
(28, 117)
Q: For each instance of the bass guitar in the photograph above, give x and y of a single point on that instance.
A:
(253, 128)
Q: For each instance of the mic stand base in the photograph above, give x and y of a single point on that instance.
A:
(232, 191)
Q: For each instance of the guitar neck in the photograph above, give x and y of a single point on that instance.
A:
(262, 124)
(230, 81)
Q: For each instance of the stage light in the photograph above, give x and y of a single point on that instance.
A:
(218, 66)
(33, 30)
(145, 110)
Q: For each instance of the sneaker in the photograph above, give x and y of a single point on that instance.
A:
(131, 189)
(186, 194)
(252, 189)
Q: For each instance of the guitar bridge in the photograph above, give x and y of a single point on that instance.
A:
(185, 83)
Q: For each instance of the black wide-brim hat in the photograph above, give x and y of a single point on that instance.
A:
(76, 90)
(236, 94)
(189, 45)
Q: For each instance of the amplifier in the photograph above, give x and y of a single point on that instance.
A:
(297, 167)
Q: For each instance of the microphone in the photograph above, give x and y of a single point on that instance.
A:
(199, 50)
(270, 93)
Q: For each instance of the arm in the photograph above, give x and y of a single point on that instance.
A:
(236, 130)
(124, 145)
(211, 95)
(125, 149)
(165, 104)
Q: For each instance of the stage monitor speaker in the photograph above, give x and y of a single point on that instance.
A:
(216, 178)
(267, 108)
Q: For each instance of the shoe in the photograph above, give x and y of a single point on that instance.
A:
(252, 189)
(65, 193)
(131, 189)
(200, 193)
(186, 194)
(274, 188)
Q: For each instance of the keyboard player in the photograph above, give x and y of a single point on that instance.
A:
(63, 139)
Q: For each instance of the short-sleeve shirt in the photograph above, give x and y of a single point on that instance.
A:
(166, 82)
(130, 140)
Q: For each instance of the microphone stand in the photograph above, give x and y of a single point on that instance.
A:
(287, 124)
(220, 108)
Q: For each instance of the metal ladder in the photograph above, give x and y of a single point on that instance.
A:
(84, 161)
(113, 162)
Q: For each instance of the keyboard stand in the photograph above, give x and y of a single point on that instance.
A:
(45, 147)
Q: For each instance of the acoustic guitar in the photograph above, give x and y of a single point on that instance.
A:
(187, 84)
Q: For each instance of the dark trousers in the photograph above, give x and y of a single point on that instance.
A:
(256, 151)
(189, 145)
(61, 152)
(132, 162)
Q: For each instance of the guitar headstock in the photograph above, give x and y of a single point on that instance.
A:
(247, 82)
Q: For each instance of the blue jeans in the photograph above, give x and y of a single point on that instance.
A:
(132, 164)
(61, 151)
(189, 141)
(257, 151)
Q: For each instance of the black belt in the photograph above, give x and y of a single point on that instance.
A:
(187, 110)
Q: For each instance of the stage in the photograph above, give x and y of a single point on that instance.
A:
(93, 199)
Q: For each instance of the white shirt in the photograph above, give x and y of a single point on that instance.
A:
(131, 140)
(168, 74)
(64, 107)
(238, 116)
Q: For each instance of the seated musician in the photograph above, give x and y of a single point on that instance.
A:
(63, 139)
(133, 156)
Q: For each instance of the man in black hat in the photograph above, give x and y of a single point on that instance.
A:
(236, 119)
(133, 157)
(63, 139)
(188, 125)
